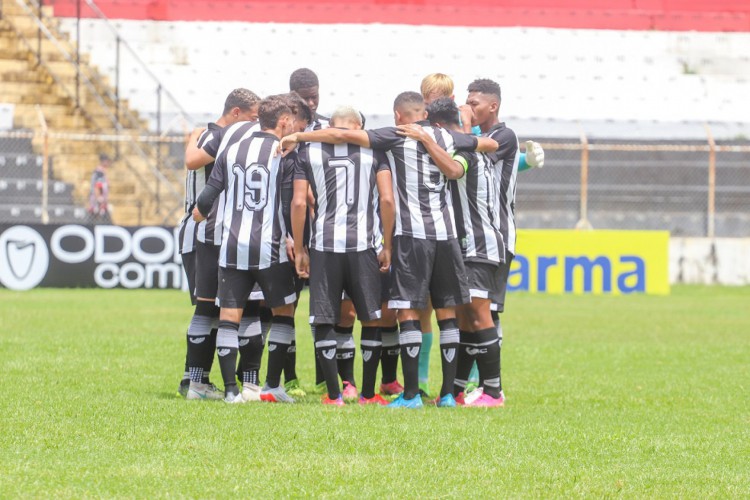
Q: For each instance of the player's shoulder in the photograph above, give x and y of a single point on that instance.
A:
(501, 131)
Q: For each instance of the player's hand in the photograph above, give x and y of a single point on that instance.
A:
(197, 215)
(466, 114)
(290, 248)
(302, 263)
(287, 144)
(413, 131)
(384, 259)
(534, 154)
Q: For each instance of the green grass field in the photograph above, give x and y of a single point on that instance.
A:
(607, 396)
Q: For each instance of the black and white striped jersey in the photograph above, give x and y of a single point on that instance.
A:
(221, 139)
(423, 206)
(475, 200)
(505, 160)
(319, 122)
(254, 233)
(343, 181)
(208, 141)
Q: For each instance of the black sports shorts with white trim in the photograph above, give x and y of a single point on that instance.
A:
(483, 278)
(357, 273)
(425, 269)
(188, 265)
(206, 270)
(498, 298)
(276, 282)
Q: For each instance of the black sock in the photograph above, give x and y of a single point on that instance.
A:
(371, 348)
(251, 344)
(290, 362)
(488, 360)
(389, 354)
(449, 339)
(280, 337)
(200, 352)
(410, 338)
(319, 377)
(345, 349)
(499, 328)
(266, 318)
(325, 350)
(465, 360)
(227, 345)
(212, 340)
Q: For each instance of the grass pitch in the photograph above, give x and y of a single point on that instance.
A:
(607, 396)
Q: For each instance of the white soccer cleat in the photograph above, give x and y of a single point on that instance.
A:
(473, 396)
(204, 391)
(275, 395)
(234, 398)
(250, 392)
(534, 154)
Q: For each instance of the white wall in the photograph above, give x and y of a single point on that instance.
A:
(723, 261)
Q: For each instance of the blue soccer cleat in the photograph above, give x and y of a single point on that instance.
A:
(413, 403)
(447, 401)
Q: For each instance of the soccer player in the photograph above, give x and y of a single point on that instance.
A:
(240, 105)
(426, 256)
(474, 198)
(304, 82)
(253, 248)
(352, 190)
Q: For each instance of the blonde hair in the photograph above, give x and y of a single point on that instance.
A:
(437, 83)
(344, 115)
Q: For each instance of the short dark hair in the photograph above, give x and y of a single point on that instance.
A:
(298, 106)
(408, 97)
(303, 78)
(271, 109)
(443, 111)
(240, 98)
(485, 86)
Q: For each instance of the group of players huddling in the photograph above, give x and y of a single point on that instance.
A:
(384, 224)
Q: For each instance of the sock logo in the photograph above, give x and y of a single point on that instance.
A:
(291, 349)
(345, 355)
(244, 342)
(223, 352)
(197, 340)
(473, 351)
(329, 353)
(413, 352)
(366, 355)
(271, 347)
(449, 354)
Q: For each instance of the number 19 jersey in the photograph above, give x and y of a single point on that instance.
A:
(254, 233)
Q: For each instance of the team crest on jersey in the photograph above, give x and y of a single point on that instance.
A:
(449, 354)
(413, 352)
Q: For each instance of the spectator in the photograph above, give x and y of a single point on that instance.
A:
(99, 194)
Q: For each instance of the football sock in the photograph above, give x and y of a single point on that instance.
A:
(389, 354)
(200, 354)
(227, 345)
(290, 363)
(319, 378)
(372, 346)
(280, 337)
(488, 359)
(345, 349)
(212, 345)
(325, 350)
(424, 358)
(410, 338)
(499, 328)
(449, 341)
(251, 344)
(266, 318)
(465, 360)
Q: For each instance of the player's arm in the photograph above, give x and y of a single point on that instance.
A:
(532, 158)
(387, 216)
(486, 145)
(327, 135)
(214, 186)
(195, 156)
(443, 159)
(298, 214)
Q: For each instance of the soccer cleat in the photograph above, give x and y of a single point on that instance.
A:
(377, 399)
(391, 388)
(460, 399)
(182, 390)
(293, 388)
(275, 395)
(447, 401)
(349, 392)
(250, 392)
(487, 401)
(472, 396)
(321, 388)
(471, 386)
(412, 404)
(233, 398)
(197, 390)
(339, 401)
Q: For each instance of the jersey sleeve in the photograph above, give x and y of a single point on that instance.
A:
(508, 142)
(384, 138)
(465, 158)
(219, 172)
(463, 142)
(210, 140)
(302, 164)
(380, 161)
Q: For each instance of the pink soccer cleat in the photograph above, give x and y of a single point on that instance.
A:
(350, 392)
(487, 401)
(391, 388)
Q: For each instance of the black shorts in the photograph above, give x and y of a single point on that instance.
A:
(483, 278)
(498, 298)
(207, 270)
(188, 264)
(356, 273)
(427, 268)
(385, 286)
(277, 283)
